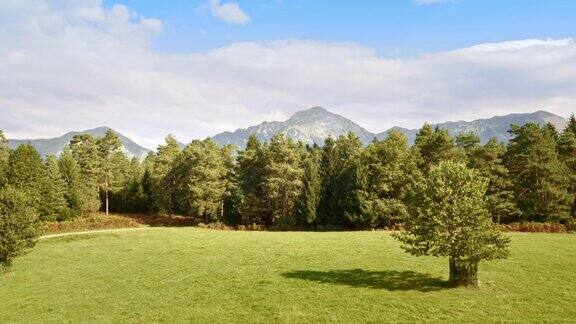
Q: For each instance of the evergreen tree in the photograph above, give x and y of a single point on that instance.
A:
(230, 212)
(200, 178)
(164, 187)
(4, 157)
(567, 153)
(19, 226)
(488, 161)
(392, 173)
(351, 183)
(309, 201)
(539, 178)
(70, 172)
(571, 125)
(109, 155)
(25, 173)
(469, 143)
(433, 146)
(282, 180)
(449, 218)
(552, 131)
(53, 192)
(250, 176)
(329, 172)
(84, 149)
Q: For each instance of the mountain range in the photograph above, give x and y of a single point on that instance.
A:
(55, 146)
(313, 126)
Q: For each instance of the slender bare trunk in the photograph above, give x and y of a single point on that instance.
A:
(107, 203)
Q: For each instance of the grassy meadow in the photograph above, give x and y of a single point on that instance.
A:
(189, 274)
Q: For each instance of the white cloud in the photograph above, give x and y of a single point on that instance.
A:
(76, 65)
(230, 13)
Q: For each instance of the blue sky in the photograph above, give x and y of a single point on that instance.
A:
(195, 68)
(391, 28)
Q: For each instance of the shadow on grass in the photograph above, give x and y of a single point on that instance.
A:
(390, 280)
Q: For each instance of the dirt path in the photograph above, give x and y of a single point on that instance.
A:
(92, 232)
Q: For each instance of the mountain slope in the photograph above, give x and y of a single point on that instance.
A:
(309, 126)
(55, 146)
(315, 124)
(496, 127)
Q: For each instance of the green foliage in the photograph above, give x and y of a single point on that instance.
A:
(4, 157)
(449, 218)
(329, 172)
(26, 173)
(392, 174)
(468, 142)
(163, 186)
(488, 161)
(199, 175)
(84, 149)
(53, 192)
(343, 184)
(233, 195)
(433, 146)
(250, 177)
(282, 180)
(311, 188)
(567, 153)
(539, 178)
(19, 225)
(70, 172)
(111, 160)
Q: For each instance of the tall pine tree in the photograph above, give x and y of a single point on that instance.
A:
(309, 200)
(4, 157)
(163, 186)
(538, 177)
(53, 192)
(200, 176)
(567, 152)
(392, 173)
(433, 145)
(108, 148)
(84, 148)
(70, 172)
(282, 180)
(250, 176)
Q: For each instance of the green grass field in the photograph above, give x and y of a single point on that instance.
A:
(175, 274)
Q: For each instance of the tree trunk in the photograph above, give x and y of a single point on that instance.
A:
(464, 272)
(107, 202)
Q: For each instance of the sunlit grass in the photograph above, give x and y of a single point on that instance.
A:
(175, 274)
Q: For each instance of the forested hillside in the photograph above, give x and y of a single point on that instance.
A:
(285, 183)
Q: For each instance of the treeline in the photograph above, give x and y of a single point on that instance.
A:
(281, 183)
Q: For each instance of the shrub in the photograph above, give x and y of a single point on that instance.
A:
(92, 222)
(534, 227)
(19, 226)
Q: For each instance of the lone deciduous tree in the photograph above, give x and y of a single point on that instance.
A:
(450, 219)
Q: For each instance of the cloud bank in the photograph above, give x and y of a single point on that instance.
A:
(76, 65)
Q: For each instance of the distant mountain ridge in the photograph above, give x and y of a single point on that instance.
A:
(55, 146)
(309, 126)
(496, 126)
(313, 126)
